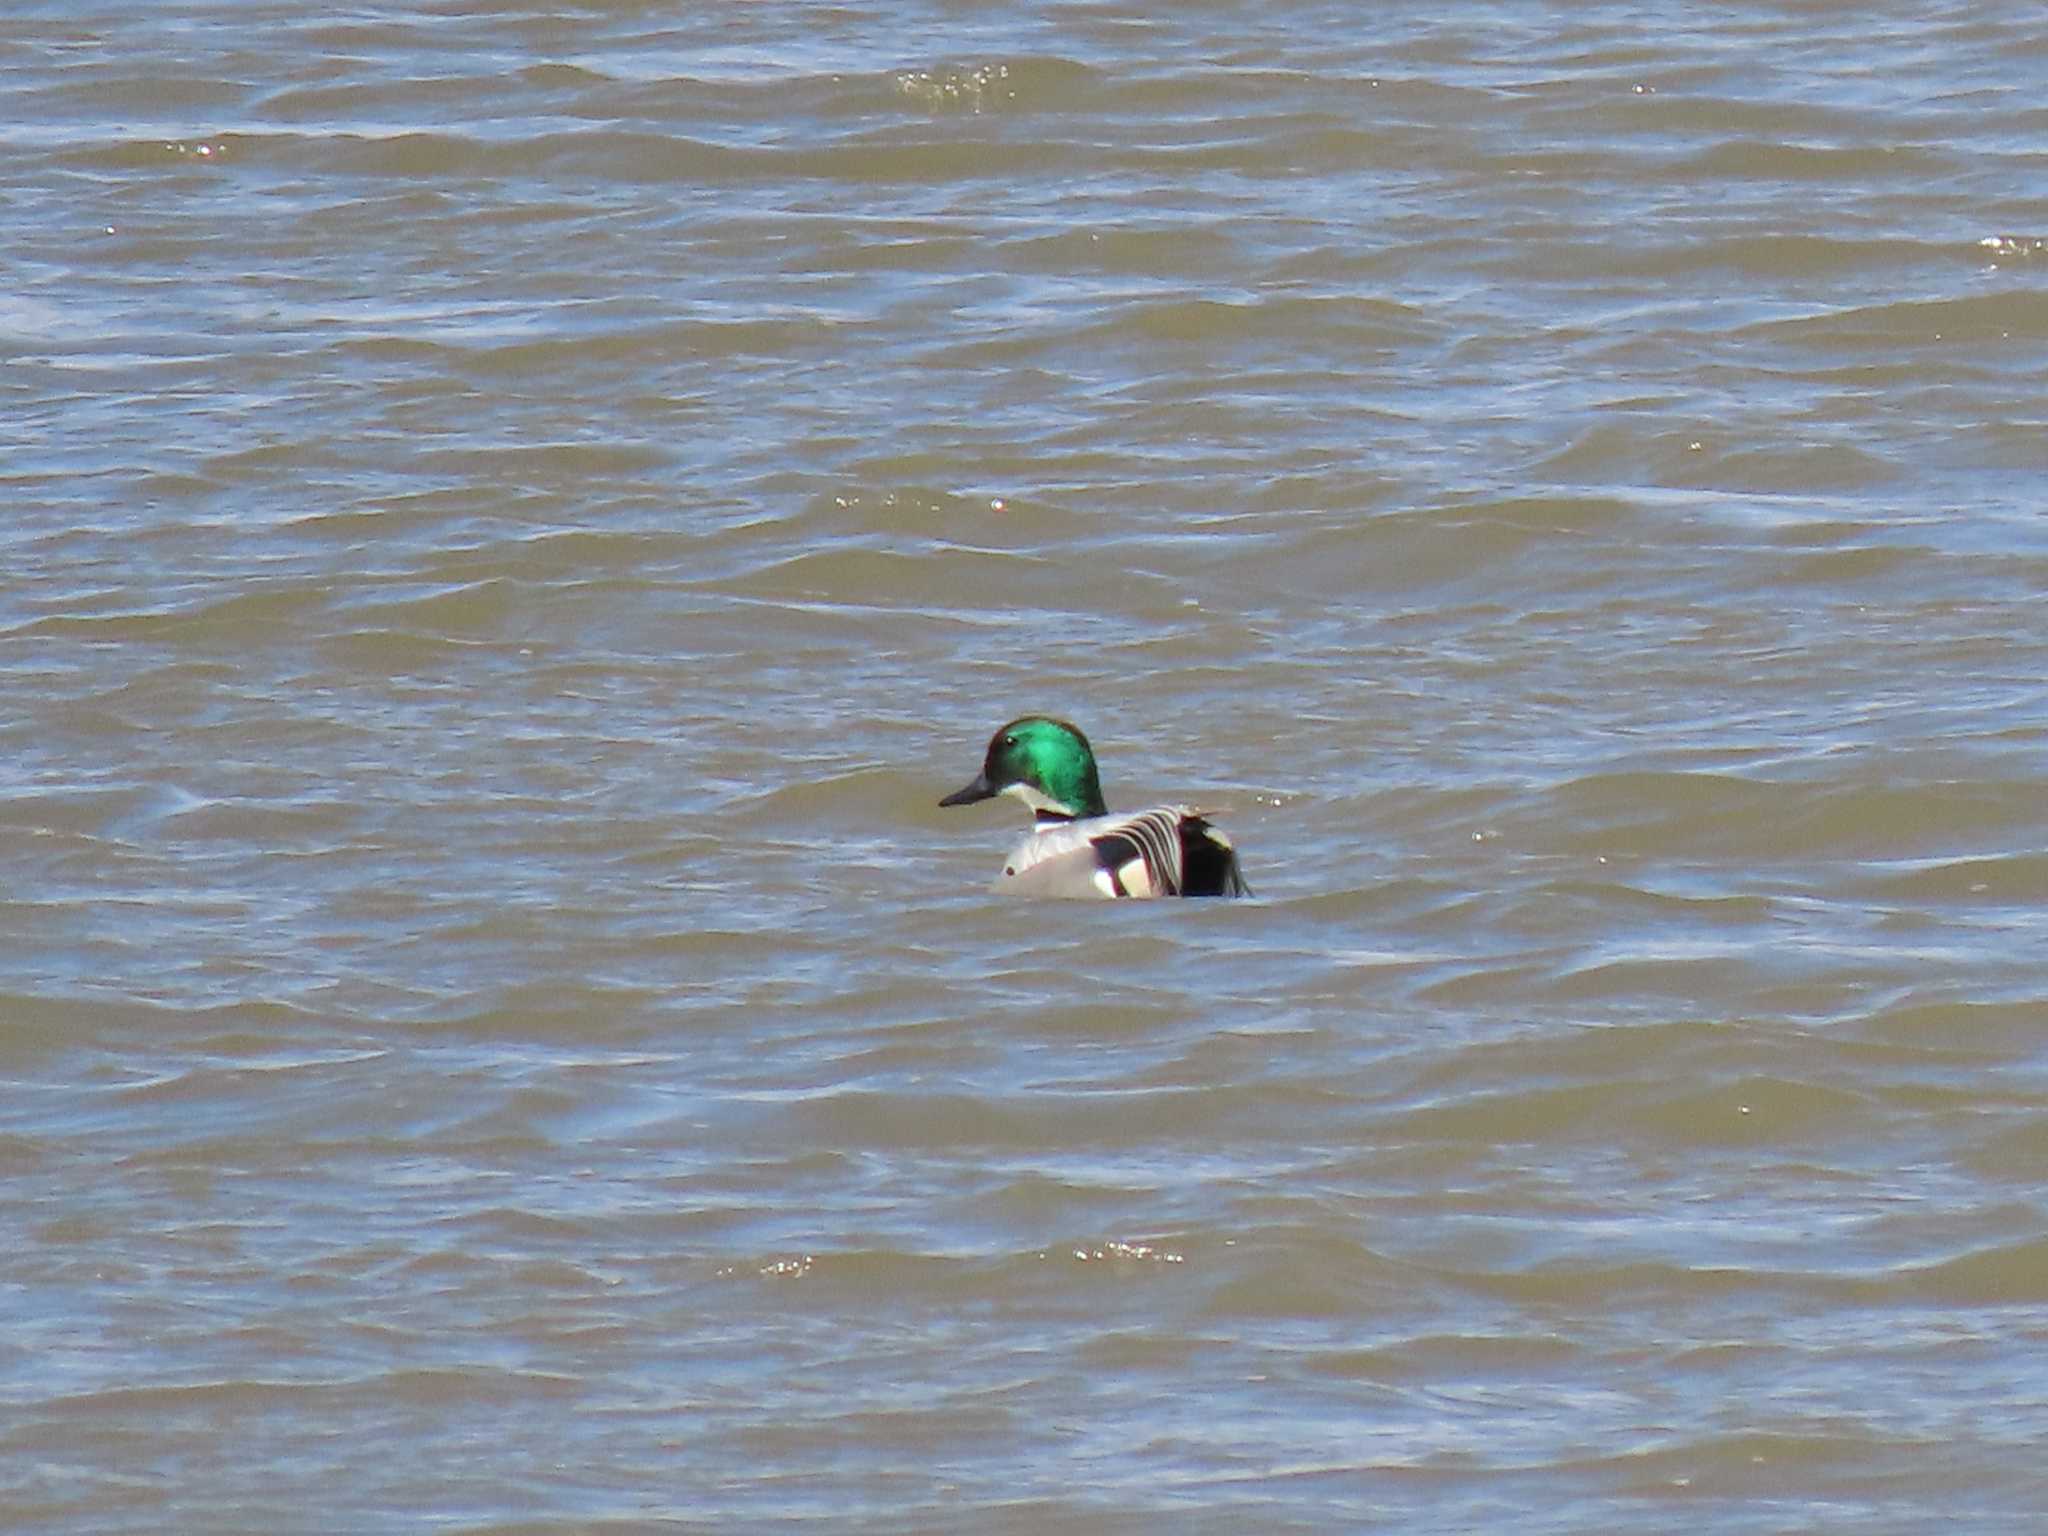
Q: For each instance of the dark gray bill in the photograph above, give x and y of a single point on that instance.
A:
(975, 789)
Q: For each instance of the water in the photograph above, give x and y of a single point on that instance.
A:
(516, 516)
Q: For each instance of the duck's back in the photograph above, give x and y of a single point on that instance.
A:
(1170, 850)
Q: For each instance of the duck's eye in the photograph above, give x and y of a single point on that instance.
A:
(1009, 741)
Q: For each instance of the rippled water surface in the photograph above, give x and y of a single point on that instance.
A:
(516, 515)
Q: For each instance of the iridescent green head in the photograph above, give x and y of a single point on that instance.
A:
(1043, 762)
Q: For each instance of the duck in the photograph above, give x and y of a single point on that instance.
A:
(1076, 847)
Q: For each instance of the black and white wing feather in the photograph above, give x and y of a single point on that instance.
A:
(1170, 851)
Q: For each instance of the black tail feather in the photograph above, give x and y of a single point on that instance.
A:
(1208, 862)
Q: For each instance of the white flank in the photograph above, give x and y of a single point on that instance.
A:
(1060, 860)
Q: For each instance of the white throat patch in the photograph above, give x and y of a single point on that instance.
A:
(1037, 799)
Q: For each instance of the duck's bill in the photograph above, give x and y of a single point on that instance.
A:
(975, 789)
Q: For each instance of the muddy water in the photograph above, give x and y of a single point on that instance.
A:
(515, 517)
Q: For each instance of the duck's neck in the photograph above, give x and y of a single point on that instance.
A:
(1046, 808)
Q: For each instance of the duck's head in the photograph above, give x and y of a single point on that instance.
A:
(1043, 762)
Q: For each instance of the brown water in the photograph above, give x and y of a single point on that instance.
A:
(515, 516)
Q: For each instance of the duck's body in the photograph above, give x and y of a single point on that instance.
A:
(1169, 850)
(1075, 846)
